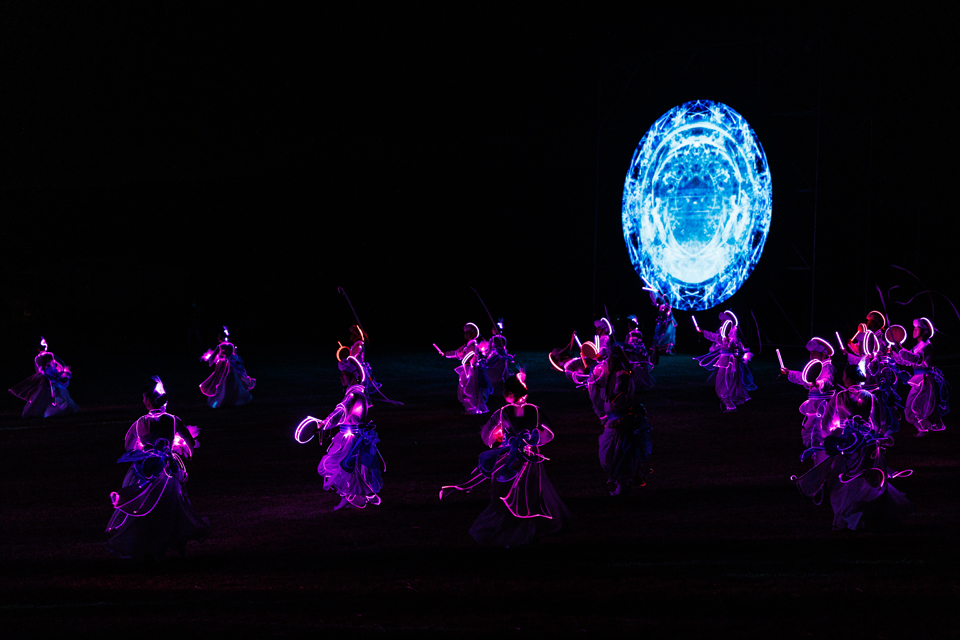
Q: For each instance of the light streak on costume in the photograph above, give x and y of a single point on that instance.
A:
(45, 392)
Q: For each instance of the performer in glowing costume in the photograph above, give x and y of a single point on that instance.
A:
(851, 468)
(819, 389)
(229, 383)
(46, 390)
(625, 443)
(152, 511)
(665, 333)
(855, 348)
(474, 388)
(358, 340)
(353, 464)
(641, 360)
(727, 360)
(929, 397)
(496, 360)
(523, 503)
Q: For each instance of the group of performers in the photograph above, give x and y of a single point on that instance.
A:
(849, 420)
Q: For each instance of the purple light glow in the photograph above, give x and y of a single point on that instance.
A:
(303, 425)
(158, 389)
(43, 343)
(780, 358)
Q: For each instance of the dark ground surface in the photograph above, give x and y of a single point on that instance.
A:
(719, 543)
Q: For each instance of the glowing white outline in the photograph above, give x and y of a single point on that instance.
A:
(302, 425)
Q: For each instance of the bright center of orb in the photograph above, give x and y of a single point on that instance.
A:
(697, 204)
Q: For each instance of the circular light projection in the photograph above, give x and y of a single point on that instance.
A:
(697, 204)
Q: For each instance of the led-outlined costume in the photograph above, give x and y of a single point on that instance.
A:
(727, 360)
(473, 388)
(851, 469)
(817, 377)
(641, 360)
(929, 397)
(152, 511)
(523, 505)
(496, 361)
(352, 466)
(665, 331)
(45, 392)
(229, 384)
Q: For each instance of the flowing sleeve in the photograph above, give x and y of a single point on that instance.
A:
(132, 440)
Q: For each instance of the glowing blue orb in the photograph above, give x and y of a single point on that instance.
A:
(697, 204)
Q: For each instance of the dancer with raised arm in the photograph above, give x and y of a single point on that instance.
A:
(152, 511)
(665, 331)
(524, 506)
(474, 388)
(817, 377)
(353, 465)
(727, 360)
(229, 384)
(45, 392)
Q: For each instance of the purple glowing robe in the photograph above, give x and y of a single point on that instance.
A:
(152, 511)
(523, 502)
(45, 392)
(352, 466)
(929, 396)
(229, 384)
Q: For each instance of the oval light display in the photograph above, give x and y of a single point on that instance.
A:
(697, 204)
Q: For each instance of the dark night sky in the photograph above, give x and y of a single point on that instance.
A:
(253, 161)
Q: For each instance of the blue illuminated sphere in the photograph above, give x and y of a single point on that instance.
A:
(697, 204)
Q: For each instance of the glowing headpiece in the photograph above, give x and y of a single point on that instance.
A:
(43, 343)
(728, 315)
(925, 322)
(352, 365)
(819, 345)
(871, 344)
(226, 332)
(877, 314)
(895, 334)
(602, 324)
(158, 389)
(342, 352)
(812, 371)
(726, 328)
(473, 329)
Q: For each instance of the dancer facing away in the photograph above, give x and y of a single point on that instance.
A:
(851, 469)
(727, 360)
(229, 383)
(929, 397)
(353, 465)
(152, 511)
(641, 361)
(524, 506)
(474, 388)
(818, 379)
(46, 390)
(625, 443)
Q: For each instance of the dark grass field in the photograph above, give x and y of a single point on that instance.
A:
(718, 544)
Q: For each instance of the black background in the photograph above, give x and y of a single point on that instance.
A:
(252, 160)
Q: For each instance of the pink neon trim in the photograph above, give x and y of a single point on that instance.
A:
(300, 427)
